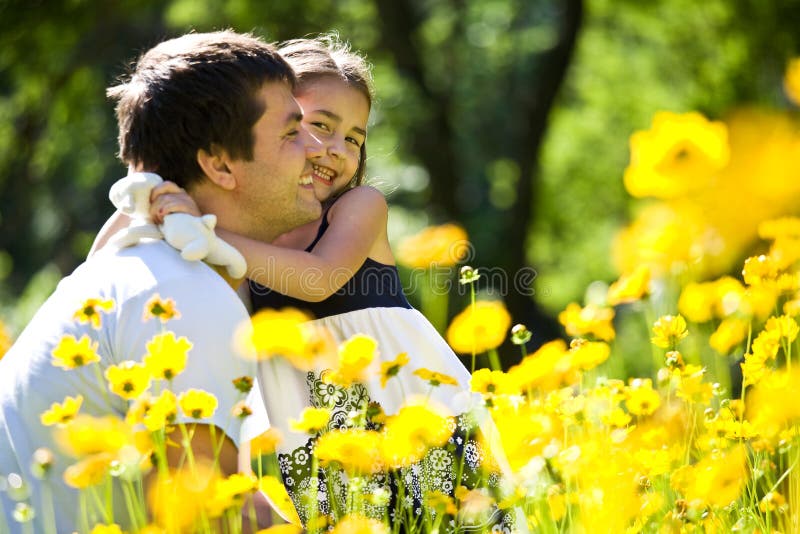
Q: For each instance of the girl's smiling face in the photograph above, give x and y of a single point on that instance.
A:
(335, 113)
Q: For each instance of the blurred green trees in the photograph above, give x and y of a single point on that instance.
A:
(510, 116)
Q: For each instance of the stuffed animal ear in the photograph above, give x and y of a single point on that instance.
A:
(121, 195)
(209, 220)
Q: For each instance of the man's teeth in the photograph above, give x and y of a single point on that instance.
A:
(323, 172)
(305, 180)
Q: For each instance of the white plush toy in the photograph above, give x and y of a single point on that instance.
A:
(193, 236)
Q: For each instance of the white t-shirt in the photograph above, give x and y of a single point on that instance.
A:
(210, 313)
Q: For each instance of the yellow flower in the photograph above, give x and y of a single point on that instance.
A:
(265, 443)
(390, 369)
(90, 471)
(642, 399)
(87, 435)
(441, 246)
(545, 369)
(355, 355)
(753, 369)
(588, 354)
(668, 330)
(128, 379)
(590, 320)
(678, 154)
(766, 345)
(312, 420)
(161, 309)
(62, 413)
(769, 406)
(697, 301)
(631, 287)
(729, 333)
(230, 492)
(435, 379)
(71, 353)
(716, 480)
(282, 529)
(197, 404)
(356, 524)
(162, 412)
(441, 502)
(479, 329)
(106, 529)
(166, 355)
(759, 270)
(415, 428)
(489, 383)
(241, 410)
(177, 500)
(692, 388)
(274, 489)
(138, 408)
(773, 500)
(784, 326)
(356, 450)
(90, 310)
(791, 81)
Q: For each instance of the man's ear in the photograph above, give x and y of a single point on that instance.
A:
(215, 165)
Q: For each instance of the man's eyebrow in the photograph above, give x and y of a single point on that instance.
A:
(337, 118)
(294, 117)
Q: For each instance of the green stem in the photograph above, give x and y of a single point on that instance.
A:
(434, 304)
(494, 360)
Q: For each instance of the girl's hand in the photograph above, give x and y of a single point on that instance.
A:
(166, 198)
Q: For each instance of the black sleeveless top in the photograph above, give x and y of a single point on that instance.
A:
(374, 285)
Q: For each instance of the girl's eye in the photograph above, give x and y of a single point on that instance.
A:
(321, 125)
(353, 140)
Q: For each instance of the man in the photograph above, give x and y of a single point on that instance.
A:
(213, 112)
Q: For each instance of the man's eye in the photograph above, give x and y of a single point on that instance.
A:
(292, 134)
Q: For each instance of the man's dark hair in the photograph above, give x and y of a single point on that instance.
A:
(190, 93)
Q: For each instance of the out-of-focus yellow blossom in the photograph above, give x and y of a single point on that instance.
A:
(668, 330)
(440, 502)
(106, 529)
(730, 332)
(588, 354)
(435, 378)
(791, 80)
(616, 418)
(162, 412)
(90, 311)
(312, 420)
(630, 287)
(241, 410)
(489, 383)
(265, 443)
(480, 329)
(230, 492)
(759, 270)
(138, 408)
(355, 355)
(753, 369)
(356, 450)
(86, 435)
(390, 369)
(792, 307)
(197, 404)
(356, 524)
(90, 471)
(434, 246)
(546, 369)
(715, 480)
(128, 379)
(282, 529)
(784, 327)
(71, 353)
(410, 433)
(166, 355)
(759, 302)
(525, 431)
(679, 153)
(768, 406)
(62, 413)
(692, 388)
(475, 505)
(274, 489)
(642, 398)
(772, 501)
(782, 227)
(590, 320)
(178, 500)
(556, 502)
(161, 309)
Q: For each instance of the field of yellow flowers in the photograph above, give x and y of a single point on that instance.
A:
(692, 448)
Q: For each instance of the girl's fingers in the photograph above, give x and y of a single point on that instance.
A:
(165, 188)
(167, 203)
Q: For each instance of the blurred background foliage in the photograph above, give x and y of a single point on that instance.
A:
(511, 117)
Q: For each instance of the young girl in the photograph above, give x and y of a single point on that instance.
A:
(341, 269)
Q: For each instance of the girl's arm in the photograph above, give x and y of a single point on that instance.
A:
(357, 220)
